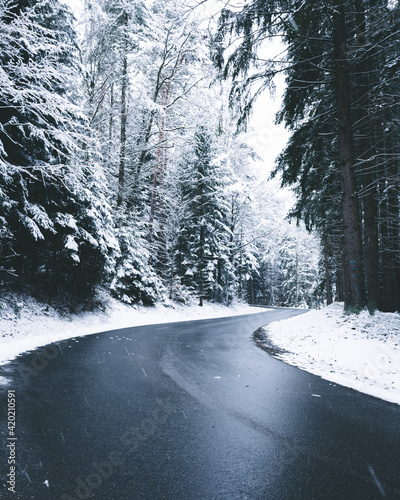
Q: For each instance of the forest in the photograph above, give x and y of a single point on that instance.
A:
(124, 164)
(341, 107)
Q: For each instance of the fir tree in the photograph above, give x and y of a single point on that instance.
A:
(53, 237)
(201, 259)
(337, 65)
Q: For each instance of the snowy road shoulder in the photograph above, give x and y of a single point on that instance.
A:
(35, 325)
(357, 351)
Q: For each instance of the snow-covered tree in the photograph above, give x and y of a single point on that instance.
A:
(54, 224)
(202, 250)
(298, 258)
(135, 280)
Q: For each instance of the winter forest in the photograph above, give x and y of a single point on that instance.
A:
(125, 164)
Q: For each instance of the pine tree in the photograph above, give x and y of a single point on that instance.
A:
(337, 63)
(201, 254)
(53, 237)
(135, 281)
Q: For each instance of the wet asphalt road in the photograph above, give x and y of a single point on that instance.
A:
(191, 411)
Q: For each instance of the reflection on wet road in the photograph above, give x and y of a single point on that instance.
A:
(192, 410)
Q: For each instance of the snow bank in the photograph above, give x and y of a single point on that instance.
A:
(31, 324)
(357, 351)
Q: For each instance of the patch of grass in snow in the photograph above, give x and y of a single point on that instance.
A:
(261, 338)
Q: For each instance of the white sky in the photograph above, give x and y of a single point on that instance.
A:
(267, 138)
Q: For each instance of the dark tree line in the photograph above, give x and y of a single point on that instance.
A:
(341, 106)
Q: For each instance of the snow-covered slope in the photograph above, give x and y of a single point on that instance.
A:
(358, 351)
(31, 324)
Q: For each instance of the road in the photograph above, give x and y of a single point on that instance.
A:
(191, 411)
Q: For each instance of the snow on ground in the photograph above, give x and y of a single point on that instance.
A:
(30, 324)
(358, 351)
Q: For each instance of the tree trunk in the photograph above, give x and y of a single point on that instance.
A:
(328, 285)
(354, 289)
(201, 263)
(296, 299)
(133, 199)
(161, 157)
(122, 154)
(371, 246)
(111, 118)
(368, 175)
(390, 242)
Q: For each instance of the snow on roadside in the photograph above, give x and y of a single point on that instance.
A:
(357, 351)
(34, 325)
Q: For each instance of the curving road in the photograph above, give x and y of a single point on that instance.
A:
(191, 411)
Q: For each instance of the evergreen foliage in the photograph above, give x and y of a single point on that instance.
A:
(52, 220)
(341, 156)
(201, 259)
(135, 280)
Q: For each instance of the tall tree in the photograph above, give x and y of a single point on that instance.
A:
(332, 52)
(201, 252)
(56, 239)
(352, 255)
